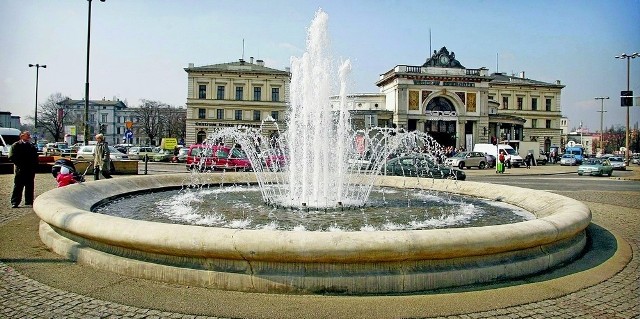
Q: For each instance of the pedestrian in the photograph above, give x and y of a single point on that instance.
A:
(101, 159)
(501, 160)
(24, 156)
(528, 159)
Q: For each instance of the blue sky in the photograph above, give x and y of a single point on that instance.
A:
(140, 47)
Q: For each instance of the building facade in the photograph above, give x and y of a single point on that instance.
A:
(105, 116)
(8, 120)
(236, 94)
(461, 107)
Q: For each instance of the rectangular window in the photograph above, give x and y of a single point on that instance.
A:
(520, 103)
(220, 95)
(534, 123)
(239, 93)
(202, 91)
(534, 104)
(256, 115)
(490, 97)
(119, 119)
(548, 125)
(238, 115)
(220, 114)
(505, 102)
(103, 118)
(257, 93)
(548, 105)
(275, 94)
(119, 132)
(202, 113)
(274, 115)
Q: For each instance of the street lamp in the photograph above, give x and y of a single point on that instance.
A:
(35, 117)
(601, 98)
(86, 86)
(626, 144)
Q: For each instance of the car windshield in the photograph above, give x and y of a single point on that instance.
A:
(615, 159)
(510, 151)
(567, 156)
(593, 161)
(461, 154)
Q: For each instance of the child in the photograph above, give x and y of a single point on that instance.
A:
(65, 177)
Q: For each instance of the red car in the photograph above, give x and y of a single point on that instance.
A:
(216, 157)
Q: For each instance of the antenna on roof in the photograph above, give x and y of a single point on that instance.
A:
(497, 60)
(242, 48)
(429, 41)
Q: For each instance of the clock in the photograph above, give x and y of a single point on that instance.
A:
(444, 60)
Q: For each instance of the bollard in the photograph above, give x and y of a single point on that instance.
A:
(146, 160)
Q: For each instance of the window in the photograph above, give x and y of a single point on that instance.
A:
(534, 104)
(548, 105)
(519, 103)
(202, 91)
(220, 114)
(274, 115)
(256, 115)
(534, 123)
(238, 115)
(548, 124)
(490, 97)
(202, 113)
(505, 102)
(103, 118)
(119, 132)
(220, 95)
(275, 94)
(119, 119)
(92, 118)
(239, 91)
(257, 93)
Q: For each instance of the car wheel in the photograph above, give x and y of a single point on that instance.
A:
(482, 165)
(579, 173)
(461, 165)
(609, 174)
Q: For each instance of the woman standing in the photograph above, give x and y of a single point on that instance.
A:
(101, 159)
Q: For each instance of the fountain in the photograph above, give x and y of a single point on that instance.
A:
(316, 174)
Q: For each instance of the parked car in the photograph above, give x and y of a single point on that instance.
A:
(618, 163)
(138, 152)
(635, 159)
(160, 155)
(420, 166)
(468, 160)
(206, 157)
(181, 157)
(595, 166)
(491, 160)
(275, 159)
(568, 159)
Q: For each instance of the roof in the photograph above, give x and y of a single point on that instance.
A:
(502, 78)
(93, 102)
(236, 67)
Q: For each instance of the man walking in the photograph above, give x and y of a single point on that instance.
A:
(24, 156)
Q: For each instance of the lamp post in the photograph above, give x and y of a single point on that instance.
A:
(86, 86)
(626, 143)
(35, 117)
(601, 98)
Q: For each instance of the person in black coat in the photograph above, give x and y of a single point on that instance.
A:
(24, 156)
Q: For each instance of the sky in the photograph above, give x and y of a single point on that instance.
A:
(139, 48)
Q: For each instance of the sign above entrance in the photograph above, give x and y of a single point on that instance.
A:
(444, 83)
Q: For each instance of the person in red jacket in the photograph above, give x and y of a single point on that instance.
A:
(65, 177)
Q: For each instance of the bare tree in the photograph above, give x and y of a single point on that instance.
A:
(51, 117)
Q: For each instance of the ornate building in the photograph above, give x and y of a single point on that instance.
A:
(239, 93)
(461, 107)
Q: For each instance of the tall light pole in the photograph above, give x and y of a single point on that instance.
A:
(626, 144)
(86, 86)
(601, 98)
(35, 117)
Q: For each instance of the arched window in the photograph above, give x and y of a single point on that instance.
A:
(200, 137)
(440, 104)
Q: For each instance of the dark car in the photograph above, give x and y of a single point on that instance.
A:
(491, 160)
(420, 166)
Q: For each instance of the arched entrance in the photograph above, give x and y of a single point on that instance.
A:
(441, 121)
(200, 137)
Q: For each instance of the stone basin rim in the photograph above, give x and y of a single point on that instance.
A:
(68, 210)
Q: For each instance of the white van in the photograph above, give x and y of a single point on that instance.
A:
(511, 156)
(8, 136)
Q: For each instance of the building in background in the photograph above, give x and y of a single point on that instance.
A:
(105, 116)
(235, 94)
(8, 120)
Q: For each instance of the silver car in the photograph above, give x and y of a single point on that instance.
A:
(618, 163)
(468, 160)
(568, 159)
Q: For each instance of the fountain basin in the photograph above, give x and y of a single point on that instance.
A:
(379, 262)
